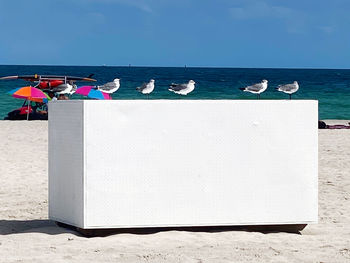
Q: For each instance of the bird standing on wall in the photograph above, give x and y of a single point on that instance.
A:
(182, 89)
(146, 88)
(289, 88)
(257, 88)
(110, 87)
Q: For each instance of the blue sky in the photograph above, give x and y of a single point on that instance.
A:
(217, 33)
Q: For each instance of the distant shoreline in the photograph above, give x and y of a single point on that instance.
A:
(178, 66)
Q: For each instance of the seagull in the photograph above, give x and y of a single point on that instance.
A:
(256, 88)
(289, 88)
(182, 89)
(110, 87)
(146, 88)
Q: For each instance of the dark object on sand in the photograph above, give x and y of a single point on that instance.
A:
(323, 125)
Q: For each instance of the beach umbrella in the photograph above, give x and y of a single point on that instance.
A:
(93, 93)
(31, 94)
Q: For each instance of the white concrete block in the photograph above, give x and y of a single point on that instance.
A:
(150, 163)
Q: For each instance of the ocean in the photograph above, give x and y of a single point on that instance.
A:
(331, 87)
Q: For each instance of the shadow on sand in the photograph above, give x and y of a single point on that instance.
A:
(8, 227)
(49, 227)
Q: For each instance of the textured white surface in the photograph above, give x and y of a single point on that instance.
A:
(66, 190)
(188, 163)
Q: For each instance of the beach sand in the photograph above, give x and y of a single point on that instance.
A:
(26, 235)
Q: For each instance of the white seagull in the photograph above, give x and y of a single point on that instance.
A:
(146, 88)
(289, 88)
(110, 87)
(182, 89)
(257, 88)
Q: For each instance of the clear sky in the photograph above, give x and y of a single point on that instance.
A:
(217, 33)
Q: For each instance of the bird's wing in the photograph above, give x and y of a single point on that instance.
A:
(59, 88)
(255, 87)
(287, 87)
(142, 87)
(178, 87)
(108, 86)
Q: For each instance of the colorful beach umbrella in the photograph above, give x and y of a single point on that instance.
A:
(93, 93)
(31, 94)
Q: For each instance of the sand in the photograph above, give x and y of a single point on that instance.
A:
(26, 235)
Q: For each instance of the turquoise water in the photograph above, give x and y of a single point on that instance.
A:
(331, 87)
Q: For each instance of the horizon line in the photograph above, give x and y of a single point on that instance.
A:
(184, 66)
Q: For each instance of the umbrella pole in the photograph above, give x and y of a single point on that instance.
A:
(28, 111)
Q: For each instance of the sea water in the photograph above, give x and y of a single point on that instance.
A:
(331, 87)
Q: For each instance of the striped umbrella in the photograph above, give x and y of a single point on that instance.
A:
(31, 94)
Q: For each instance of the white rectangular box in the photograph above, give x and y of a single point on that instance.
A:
(152, 163)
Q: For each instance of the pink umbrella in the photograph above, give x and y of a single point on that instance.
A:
(29, 93)
(93, 93)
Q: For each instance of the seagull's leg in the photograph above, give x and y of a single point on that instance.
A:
(290, 96)
(258, 96)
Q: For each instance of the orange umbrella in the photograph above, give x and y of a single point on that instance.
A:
(29, 93)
